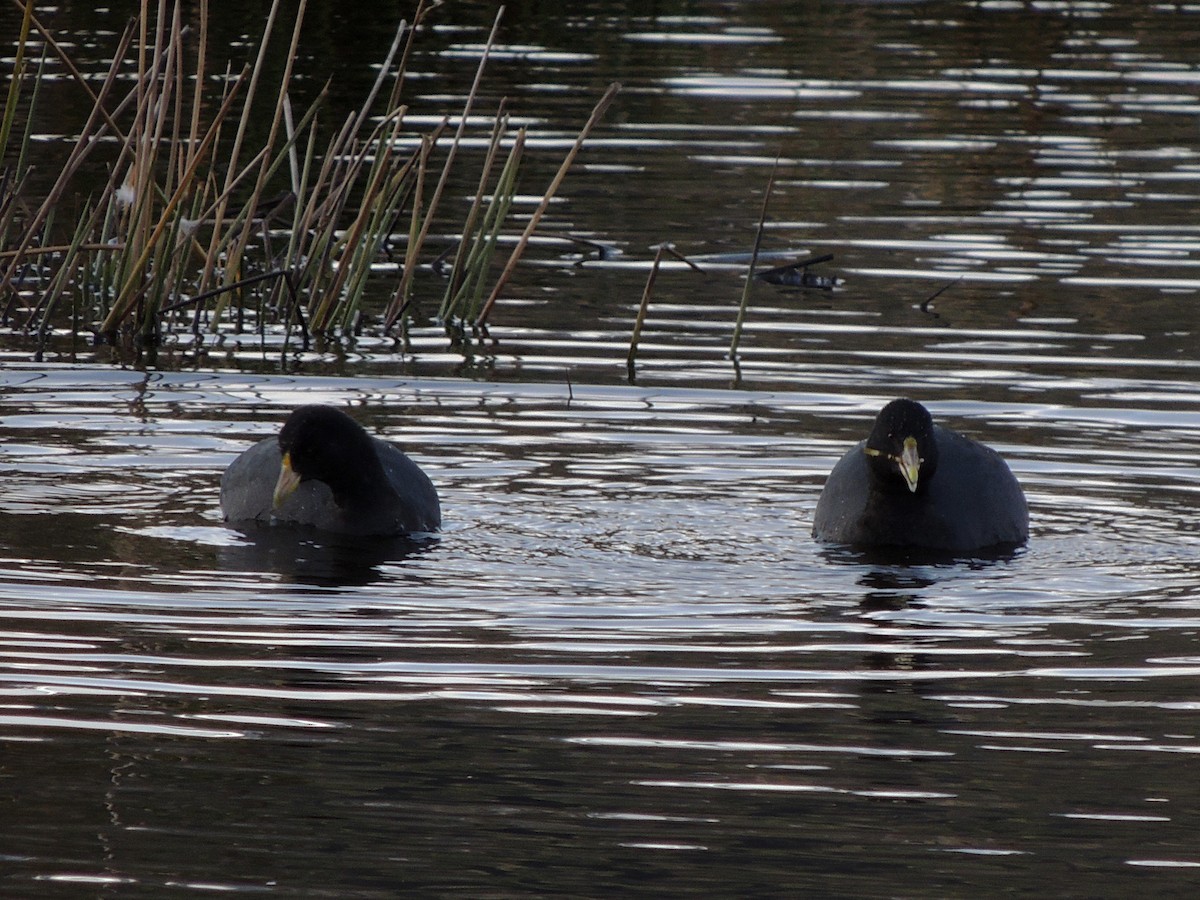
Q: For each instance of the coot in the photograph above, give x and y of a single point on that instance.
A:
(325, 471)
(912, 483)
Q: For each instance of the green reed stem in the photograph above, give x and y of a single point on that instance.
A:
(14, 84)
(454, 282)
(480, 259)
(417, 240)
(129, 289)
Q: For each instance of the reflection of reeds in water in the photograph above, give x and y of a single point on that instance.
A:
(191, 228)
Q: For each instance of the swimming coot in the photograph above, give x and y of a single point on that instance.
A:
(915, 484)
(325, 471)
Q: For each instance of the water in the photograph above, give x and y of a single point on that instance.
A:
(624, 664)
(625, 667)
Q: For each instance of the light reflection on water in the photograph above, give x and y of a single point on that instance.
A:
(625, 636)
(624, 666)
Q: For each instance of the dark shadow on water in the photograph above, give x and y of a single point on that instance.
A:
(902, 557)
(892, 588)
(309, 556)
(893, 577)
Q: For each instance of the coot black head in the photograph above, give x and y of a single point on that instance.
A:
(324, 444)
(901, 450)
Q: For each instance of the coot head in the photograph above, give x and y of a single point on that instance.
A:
(322, 443)
(901, 450)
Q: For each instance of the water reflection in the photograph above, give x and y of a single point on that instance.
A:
(903, 560)
(624, 650)
(304, 556)
(1049, 180)
(625, 667)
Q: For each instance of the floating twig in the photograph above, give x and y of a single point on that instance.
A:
(670, 248)
(924, 307)
(796, 274)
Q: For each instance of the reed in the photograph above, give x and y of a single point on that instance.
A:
(597, 113)
(477, 246)
(418, 236)
(456, 275)
(14, 85)
(746, 288)
(631, 357)
(199, 225)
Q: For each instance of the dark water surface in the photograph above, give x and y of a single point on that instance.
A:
(625, 668)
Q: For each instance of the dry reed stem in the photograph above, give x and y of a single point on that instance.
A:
(670, 248)
(79, 78)
(368, 212)
(741, 316)
(235, 151)
(398, 83)
(645, 305)
(124, 302)
(499, 125)
(79, 152)
(14, 84)
(131, 254)
(401, 295)
(238, 246)
(493, 221)
(536, 218)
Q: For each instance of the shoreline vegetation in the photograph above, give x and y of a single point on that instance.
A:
(201, 228)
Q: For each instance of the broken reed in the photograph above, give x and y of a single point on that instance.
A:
(643, 307)
(183, 232)
(751, 275)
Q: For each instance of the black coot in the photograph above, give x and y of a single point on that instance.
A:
(325, 471)
(915, 484)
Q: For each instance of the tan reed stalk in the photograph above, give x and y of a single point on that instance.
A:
(631, 357)
(69, 65)
(536, 218)
(129, 290)
(71, 260)
(402, 68)
(14, 84)
(399, 300)
(484, 249)
(455, 280)
(219, 235)
(358, 248)
(238, 246)
(83, 146)
(382, 208)
(741, 316)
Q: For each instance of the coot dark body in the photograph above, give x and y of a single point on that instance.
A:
(325, 471)
(912, 483)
